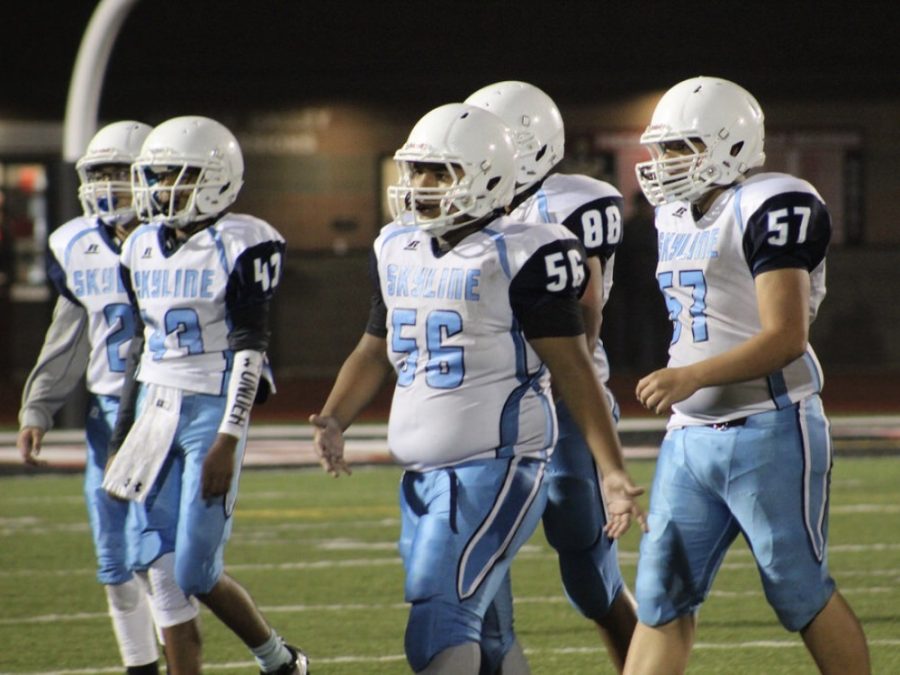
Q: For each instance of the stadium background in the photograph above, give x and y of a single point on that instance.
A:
(320, 94)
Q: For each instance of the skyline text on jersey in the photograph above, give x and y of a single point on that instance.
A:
(177, 283)
(97, 281)
(418, 281)
(688, 246)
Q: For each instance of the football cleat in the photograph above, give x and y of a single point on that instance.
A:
(298, 665)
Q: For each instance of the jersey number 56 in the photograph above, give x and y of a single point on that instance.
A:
(559, 272)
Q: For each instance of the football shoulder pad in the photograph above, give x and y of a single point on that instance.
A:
(65, 235)
(578, 188)
(761, 188)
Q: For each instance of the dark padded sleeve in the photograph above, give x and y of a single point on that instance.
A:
(598, 226)
(256, 274)
(250, 327)
(544, 293)
(377, 324)
(251, 285)
(791, 229)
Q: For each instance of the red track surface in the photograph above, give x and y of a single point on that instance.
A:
(844, 394)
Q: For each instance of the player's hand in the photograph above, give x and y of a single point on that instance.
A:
(29, 443)
(621, 504)
(663, 388)
(328, 442)
(218, 467)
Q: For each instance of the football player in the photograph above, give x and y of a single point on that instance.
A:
(574, 518)
(200, 280)
(89, 336)
(473, 311)
(748, 451)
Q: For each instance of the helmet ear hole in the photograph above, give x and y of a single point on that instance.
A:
(492, 183)
(736, 149)
(540, 153)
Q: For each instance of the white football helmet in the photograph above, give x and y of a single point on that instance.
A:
(728, 121)
(189, 169)
(103, 170)
(476, 148)
(535, 122)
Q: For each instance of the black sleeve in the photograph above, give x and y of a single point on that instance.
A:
(250, 327)
(377, 324)
(130, 386)
(250, 330)
(791, 229)
(544, 293)
(251, 286)
(598, 226)
(256, 274)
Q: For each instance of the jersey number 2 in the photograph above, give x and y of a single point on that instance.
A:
(118, 314)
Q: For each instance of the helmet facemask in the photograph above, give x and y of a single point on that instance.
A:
(679, 176)
(436, 209)
(177, 194)
(105, 191)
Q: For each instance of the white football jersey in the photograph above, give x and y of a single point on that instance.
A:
(84, 267)
(185, 295)
(592, 210)
(469, 385)
(706, 271)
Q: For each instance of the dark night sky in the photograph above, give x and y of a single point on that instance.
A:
(205, 55)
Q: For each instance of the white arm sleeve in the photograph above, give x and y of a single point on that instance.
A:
(241, 392)
(59, 367)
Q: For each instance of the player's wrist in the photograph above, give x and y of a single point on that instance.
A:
(242, 388)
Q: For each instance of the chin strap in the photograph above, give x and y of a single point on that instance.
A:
(242, 387)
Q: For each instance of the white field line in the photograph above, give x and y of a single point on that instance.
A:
(398, 606)
(398, 658)
(290, 444)
(527, 552)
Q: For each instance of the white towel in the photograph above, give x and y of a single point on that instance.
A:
(135, 467)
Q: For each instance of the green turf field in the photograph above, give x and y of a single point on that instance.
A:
(319, 557)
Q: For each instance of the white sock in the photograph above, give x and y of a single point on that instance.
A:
(132, 623)
(143, 580)
(271, 654)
